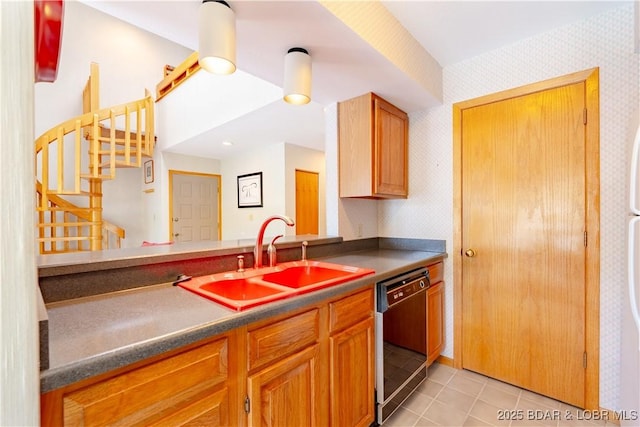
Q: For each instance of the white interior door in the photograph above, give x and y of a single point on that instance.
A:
(195, 207)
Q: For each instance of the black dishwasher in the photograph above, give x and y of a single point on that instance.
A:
(401, 338)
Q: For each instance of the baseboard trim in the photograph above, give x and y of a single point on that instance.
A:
(444, 360)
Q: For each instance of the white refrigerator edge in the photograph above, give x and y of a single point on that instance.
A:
(630, 339)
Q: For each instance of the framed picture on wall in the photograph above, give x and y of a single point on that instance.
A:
(148, 172)
(250, 190)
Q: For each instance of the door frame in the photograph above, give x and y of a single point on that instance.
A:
(173, 172)
(592, 183)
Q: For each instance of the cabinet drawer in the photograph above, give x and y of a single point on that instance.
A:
(147, 394)
(283, 338)
(350, 310)
(436, 272)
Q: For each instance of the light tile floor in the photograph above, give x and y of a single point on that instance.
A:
(451, 397)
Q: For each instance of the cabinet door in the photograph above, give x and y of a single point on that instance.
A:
(391, 141)
(352, 375)
(435, 321)
(288, 392)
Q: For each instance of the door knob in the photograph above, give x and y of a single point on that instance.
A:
(470, 253)
(176, 219)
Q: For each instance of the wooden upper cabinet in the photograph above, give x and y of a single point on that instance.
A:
(372, 148)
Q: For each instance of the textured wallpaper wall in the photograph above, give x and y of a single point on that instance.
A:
(604, 41)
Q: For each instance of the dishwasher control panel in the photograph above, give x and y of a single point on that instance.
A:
(405, 291)
(399, 288)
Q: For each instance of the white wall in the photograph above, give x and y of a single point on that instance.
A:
(604, 41)
(278, 163)
(130, 61)
(244, 223)
(19, 352)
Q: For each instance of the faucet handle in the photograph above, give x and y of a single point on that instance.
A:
(240, 263)
(304, 250)
(271, 251)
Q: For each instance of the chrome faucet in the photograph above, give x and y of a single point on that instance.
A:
(257, 251)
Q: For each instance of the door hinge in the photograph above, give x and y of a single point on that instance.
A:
(584, 116)
(585, 239)
(247, 405)
(584, 360)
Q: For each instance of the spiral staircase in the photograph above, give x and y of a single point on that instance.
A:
(72, 161)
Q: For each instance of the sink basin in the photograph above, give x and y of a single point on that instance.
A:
(255, 287)
(305, 275)
(239, 289)
(238, 293)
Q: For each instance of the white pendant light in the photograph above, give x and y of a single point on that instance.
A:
(217, 37)
(297, 76)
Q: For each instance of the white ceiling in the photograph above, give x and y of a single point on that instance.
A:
(344, 65)
(452, 31)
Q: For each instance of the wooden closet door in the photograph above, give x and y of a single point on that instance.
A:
(523, 225)
(307, 202)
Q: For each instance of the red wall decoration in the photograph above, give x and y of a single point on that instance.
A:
(48, 38)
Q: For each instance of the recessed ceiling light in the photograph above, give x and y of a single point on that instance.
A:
(227, 143)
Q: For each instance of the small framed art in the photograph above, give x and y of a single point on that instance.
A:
(250, 190)
(148, 172)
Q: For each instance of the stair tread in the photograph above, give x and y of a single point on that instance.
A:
(119, 164)
(62, 239)
(120, 153)
(69, 193)
(121, 141)
(89, 176)
(132, 144)
(65, 209)
(65, 224)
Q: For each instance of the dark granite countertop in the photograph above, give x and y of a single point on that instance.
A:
(92, 335)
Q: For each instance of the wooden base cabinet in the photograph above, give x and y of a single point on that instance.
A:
(285, 378)
(352, 375)
(311, 367)
(325, 374)
(352, 352)
(435, 313)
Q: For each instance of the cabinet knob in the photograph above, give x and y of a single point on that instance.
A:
(470, 253)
